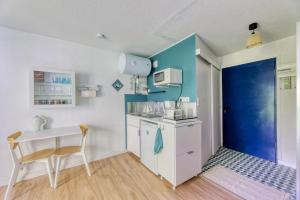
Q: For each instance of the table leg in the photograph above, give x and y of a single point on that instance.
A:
(57, 145)
(57, 142)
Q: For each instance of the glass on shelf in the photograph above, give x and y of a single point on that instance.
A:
(53, 101)
(60, 78)
(39, 76)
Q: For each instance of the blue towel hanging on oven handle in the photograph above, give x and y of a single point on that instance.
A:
(158, 143)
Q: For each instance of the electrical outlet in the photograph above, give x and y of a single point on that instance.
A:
(184, 99)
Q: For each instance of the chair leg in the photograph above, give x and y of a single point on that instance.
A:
(86, 164)
(12, 181)
(53, 163)
(58, 159)
(50, 171)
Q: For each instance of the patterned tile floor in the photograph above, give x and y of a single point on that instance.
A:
(266, 172)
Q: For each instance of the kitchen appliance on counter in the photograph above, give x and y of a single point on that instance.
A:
(169, 104)
(171, 112)
(180, 112)
(167, 77)
(167, 110)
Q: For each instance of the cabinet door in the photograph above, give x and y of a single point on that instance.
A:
(133, 140)
(148, 133)
(166, 158)
(187, 166)
(188, 138)
(188, 152)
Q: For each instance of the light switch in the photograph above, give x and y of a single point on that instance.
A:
(184, 99)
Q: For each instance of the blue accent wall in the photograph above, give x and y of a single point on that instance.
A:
(181, 56)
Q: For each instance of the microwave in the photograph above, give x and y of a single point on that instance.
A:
(168, 76)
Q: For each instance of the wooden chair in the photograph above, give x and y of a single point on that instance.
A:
(72, 150)
(38, 156)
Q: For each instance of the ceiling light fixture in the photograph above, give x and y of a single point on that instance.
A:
(254, 39)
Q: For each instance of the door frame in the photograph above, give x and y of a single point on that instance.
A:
(212, 89)
(281, 71)
(298, 113)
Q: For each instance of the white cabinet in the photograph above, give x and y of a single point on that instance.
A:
(148, 134)
(133, 140)
(166, 158)
(188, 165)
(180, 158)
(133, 135)
(188, 138)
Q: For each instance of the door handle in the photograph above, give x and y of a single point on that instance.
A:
(226, 109)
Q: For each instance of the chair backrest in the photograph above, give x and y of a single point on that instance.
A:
(14, 145)
(84, 130)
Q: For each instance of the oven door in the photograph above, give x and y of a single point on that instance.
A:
(159, 77)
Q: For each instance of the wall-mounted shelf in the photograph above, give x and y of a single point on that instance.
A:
(156, 92)
(53, 89)
(88, 90)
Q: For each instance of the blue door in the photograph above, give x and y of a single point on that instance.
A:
(249, 111)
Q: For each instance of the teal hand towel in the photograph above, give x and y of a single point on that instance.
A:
(158, 143)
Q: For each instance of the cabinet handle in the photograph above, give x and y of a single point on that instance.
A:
(162, 127)
(190, 152)
(190, 125)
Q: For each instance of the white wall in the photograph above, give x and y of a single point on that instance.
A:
(284, 50)
(286, 125)
(298, 111)
(20, 52)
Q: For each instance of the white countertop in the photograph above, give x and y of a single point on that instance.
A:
(48, 133)
(160, 120)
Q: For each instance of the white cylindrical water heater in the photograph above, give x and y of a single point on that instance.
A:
(134, 65)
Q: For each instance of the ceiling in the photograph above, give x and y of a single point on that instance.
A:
(144, 27)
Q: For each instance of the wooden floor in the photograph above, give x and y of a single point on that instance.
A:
(119, 177)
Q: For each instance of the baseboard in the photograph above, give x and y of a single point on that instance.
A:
(69, 164)
(286, 164)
